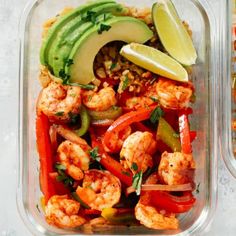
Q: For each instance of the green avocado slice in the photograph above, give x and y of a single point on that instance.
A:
(53, 31)
(71, 32)
(120, 28)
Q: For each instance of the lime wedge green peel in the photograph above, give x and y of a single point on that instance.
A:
(154, 61)
(172, 33)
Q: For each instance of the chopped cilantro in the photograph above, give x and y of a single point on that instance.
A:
(66, 79)
(59, 166)
(125, 173)
(73, 118)
(134, 166)
(125, 83)
(94, 154)
(83, 86)
(90, 16)
(154, 99)
(137, 182)
(113, 66)
(156, 114)
(60, 113)
(69, 62)
(64, 76)
(62, 176)
(103, 27)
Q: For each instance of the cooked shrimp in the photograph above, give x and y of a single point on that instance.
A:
(115, 144)
(175, 168)
(63, 212)
(137, 150)
(149, 216)
(100, 189)
(74, 158)
(59, 101)
(173, 96)
(101, 100)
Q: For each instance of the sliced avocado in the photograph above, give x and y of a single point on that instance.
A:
(53, 31)
(120, 28)
(71, 32)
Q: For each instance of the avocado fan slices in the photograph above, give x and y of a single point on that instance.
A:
(63, 20)
(71, 32)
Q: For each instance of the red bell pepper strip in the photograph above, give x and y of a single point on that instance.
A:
(126, 120)
(193, 135)
(91, 212)
(184, 133)
(59, 186)
(45, 155)
(170, 203)
(111, 164)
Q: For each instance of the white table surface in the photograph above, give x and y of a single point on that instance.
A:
(224, 222)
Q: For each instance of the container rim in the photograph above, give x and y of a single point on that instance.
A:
(225, 136)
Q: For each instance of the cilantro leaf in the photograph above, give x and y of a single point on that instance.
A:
(73, 118)
(154, 99)
(69, 62)
(125, 173)
(60, 113)
(113, 66)
(134, 166)
(83, 86)
(125, 83)
(94, 154)
(60, 166)
(63, 177)
(156, 115)
(103, 27)
(137, 182)
(90, 16)
(64, 76)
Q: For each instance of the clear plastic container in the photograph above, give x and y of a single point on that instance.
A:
(201, 16)
(228, 93)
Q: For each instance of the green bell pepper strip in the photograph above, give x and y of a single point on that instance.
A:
(85, 122)
(112, 113)
(167, 134)
(112, 215)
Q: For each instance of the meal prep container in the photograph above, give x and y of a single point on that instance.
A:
(228, 93)
(205, 21)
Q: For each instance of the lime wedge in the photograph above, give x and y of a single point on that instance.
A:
(154, 61)
(172, 33)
